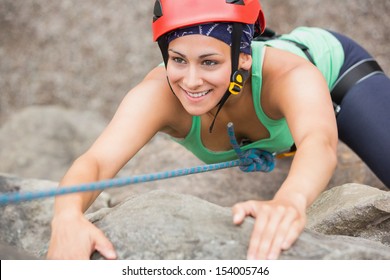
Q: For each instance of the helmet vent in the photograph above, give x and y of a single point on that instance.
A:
(157, 12)
(237, 2)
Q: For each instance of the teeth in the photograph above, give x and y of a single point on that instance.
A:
(197, 94)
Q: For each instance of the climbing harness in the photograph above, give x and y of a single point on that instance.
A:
(248, 161)
(355, 74)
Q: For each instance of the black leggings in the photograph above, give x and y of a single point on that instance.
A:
(364, 119)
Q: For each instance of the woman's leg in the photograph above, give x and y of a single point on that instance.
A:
(364, 123)
(364, 120)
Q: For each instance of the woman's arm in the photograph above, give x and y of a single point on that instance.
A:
(297, 91)
(301, 95)
(145, 110)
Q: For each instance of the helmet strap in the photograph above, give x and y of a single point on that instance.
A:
(163, 45)
(238, 76)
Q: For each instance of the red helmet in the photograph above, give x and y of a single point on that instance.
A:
(172, 14)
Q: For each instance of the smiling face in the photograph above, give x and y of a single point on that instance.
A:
(199, 69)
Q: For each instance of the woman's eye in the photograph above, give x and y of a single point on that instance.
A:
(209, 62)
(178, 60)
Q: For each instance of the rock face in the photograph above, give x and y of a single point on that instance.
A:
(353, 210)
(177, 227)
(26, 226)
(184, 227)
(42, 141)
(163, 224)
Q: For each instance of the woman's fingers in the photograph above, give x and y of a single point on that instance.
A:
(277, 226)
(259, 239)
(105, 247)
(241, 210)
(78, 240)
(286, 230)
(293, 233)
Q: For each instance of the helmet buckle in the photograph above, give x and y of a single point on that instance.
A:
(237, 81)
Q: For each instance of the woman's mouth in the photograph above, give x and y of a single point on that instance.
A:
(197, 94)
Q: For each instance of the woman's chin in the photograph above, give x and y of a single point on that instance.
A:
(195, 112)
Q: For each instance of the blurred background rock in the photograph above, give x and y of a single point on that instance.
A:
(88, 54)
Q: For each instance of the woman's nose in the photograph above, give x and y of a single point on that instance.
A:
(193, 78)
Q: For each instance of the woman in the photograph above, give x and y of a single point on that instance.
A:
(275, 92)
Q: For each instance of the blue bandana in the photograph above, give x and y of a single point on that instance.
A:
(221, 31)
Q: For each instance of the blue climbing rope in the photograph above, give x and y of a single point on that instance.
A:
(248, 161)
(253, 159)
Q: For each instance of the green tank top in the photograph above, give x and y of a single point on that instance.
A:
(328, 55)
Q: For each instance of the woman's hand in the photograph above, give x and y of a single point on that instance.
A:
(77, 238)
(278, 223)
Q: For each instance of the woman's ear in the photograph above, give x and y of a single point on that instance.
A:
(245, 61)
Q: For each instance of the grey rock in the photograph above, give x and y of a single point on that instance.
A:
(315, 246)
(177, 227)
(185, 227)
(26, 226)
(8, 252)
(42, 141)
(353, 210)
(164, 224)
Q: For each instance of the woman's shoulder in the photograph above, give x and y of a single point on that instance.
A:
(162, 101)
(158, 73)
(284, 73)
(154, 84)
(278, 62)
